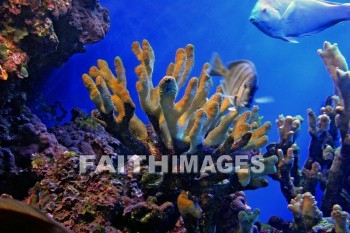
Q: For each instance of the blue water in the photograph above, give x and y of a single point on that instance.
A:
(293, 74)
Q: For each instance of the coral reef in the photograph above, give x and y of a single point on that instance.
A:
(36, 35)
(327, 165)
(193, 126)
(196, 125)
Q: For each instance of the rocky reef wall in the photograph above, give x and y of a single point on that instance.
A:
(37, 35)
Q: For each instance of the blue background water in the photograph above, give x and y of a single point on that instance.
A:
(292, 74)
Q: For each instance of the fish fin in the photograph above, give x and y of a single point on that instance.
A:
(218, 68)
(290, 39)
(24, 213)
(288, 17)
(289, 10)
(332, 3)
(264, 100)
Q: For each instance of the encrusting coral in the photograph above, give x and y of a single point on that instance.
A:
(36, 35)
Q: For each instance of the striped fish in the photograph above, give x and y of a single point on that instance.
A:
(240, 80)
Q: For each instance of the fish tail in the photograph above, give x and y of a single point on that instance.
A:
(218, 68)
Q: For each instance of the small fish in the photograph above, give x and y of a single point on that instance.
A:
(187, 206)
(288, 19)
(240, 80)
(202, 176)
(260, 100)
(19, 217)
(264, 100)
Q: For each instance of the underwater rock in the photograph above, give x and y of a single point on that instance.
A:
(93, 202)
(84, 136)
(37, 35)
(83, 203)
(279, 223)
(147, 216)
(22, 134)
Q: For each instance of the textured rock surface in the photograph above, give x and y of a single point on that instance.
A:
(36, 35)
(85, 136)
(96, 202)
(22, 134)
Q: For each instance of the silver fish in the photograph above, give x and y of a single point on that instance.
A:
(240, 80)
(288, 19)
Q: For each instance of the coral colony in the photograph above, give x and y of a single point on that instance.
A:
(132, 194)
(185, 171)
(195, 127)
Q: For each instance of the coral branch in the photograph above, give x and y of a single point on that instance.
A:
(333, 60)
(193, 126)
(341, 219)
(119, 102)
(305, 211)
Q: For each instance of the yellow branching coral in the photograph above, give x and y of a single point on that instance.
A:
(184, 125)
(245, 123)
(112, 100)
(3, 74)
(246, 174)
(194, 125)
